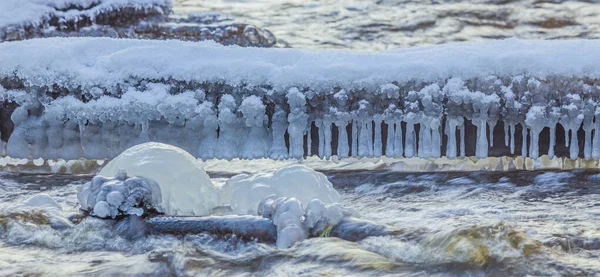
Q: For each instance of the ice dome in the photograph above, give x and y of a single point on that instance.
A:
(185, 187)
(245, 192)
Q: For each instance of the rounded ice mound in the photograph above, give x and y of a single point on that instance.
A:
(43, 201)
(185, 187)
(245, 192)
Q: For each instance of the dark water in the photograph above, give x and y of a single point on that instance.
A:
(454, 224)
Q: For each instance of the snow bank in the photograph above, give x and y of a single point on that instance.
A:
(245, 192)
(184, 186)
(106, 63)
(497, 98)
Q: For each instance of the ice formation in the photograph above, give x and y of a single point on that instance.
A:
(244, 192)
(143, 19)
(501, 98)
(107, 197)
(295, 222)
(185, 188)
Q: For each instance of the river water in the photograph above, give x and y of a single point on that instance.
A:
(538, 223)
(383, 24)
(518, 223)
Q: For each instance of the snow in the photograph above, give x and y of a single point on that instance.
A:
(106, 62)
(231, 102)
(34, 12)
(245, 192)
(185, 188)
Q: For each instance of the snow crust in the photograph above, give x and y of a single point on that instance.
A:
(185, 187)
(245, 192)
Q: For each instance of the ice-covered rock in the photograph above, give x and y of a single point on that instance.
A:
(245, 192)
(296, 222)
(142, 19)
(185, 188)
(109, 197)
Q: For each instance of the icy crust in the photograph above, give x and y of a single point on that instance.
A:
(244, 192)
(231, 102)
(141, 19)
(185, 188)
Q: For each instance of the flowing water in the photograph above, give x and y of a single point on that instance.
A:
(539, 223)
(384, 24)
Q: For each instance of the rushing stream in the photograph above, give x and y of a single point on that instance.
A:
(453, 224)
(481, 223)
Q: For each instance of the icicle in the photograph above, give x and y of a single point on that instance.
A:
(574, 147)
(278, 127)
(482, 142)
(354, 138)
(566, 136)
(462, 141)
(451, 133)
(363, 141)
(587, 127)
(342, 150)
(436, 141)
(321, 138)
(370, 138)
(534, 142)
(552, 141)
(424, 141)
(309, 140)
(596, 144)
(297, 119)
(505, 134)
(524, 141)
(512, 138)
(409, 150)
(72, 148)
(327, 139)
(492, 124)
(398, 149)
(390, 150)
(378, 143)
(420, 152)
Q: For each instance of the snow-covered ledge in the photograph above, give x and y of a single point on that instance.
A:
(98, 96)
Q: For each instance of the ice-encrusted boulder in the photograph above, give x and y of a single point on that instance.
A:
(107, 197)
(185, 188)
(245, 192)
